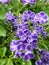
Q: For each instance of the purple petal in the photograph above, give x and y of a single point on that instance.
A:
(31, 55)
(26, 57)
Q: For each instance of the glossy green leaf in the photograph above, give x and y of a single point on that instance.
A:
(6, 61)
(3, 11)
(2, 31)
(9, 62)
(2, 51)
(3, 61)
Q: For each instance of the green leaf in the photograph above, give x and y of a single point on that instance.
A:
(46, 23)
(6, 61)
(47, 29)
(9, 62)
(2, 31)
(43, 43)
(2, 51)
(3, 12)
(20, 61)
(3, 61)
(46, 41)
(26, 63)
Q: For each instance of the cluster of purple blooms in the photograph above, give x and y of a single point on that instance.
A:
(44, 58)
(4, 1)
(28, 1)
(28, 39)
(23, 1)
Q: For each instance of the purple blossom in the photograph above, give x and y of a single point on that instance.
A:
(28, 16)
(26, 55)
(29, 55)
(44, 58)
(41, 17)
(9, 16)
(13, 45)
(23, 33)
(28, 1)
(4, 1)
(22, 25)
(39, 62)
(15, 21)
(20, 48)
(40, 29)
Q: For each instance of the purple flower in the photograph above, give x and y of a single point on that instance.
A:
(13, 19)
(44, 55)
(21, 50)
(15, 22)
(28, 15)
(13, 45)
(35, 39)
(28, 55)
(41, 17)
(22, 31)
(22, 25)
(40, 30)
(24, 1)
(39, 62)
(4, 1)
(9, 16)
(28, 1)
(44, 58)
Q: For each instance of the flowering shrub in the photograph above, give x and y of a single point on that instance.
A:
(24, 32)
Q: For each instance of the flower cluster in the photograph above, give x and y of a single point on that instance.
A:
(13, 19)
(44, 59)
(28, 42)
(28, 1)
(22, 49)
(28, 39)
(4, 1)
